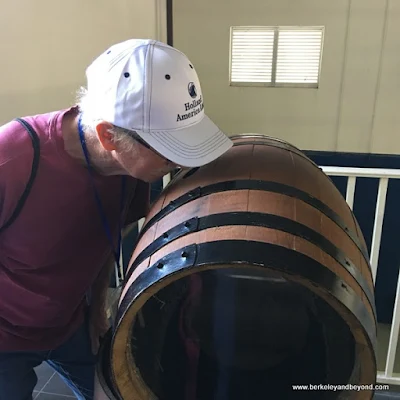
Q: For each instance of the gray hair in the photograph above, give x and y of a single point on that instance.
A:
(90, 118)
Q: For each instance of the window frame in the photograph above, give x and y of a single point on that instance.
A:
(273, 83)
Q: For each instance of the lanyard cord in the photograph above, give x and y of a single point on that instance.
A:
(106, 226)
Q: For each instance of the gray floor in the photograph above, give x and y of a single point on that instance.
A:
(387, 396)
(50, 386)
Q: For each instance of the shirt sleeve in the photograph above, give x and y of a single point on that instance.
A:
(16, 157)
(140, 204)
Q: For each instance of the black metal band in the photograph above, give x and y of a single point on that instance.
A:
(250, 184)
(254, 253)
(255, 219)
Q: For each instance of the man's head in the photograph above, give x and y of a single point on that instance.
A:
(144, 101)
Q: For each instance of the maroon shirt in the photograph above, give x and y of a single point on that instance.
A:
(53, 252)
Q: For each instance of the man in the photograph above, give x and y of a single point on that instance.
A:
(140, 116)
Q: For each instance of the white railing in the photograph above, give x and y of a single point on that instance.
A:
(387, 376)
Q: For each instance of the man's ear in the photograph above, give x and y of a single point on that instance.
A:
(105, 137)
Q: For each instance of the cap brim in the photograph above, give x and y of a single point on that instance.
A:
(183, 147)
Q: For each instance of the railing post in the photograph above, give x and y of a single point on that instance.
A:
(119, 269)
(394, 333)
(166, 180)
(377, 232)
(350, 191)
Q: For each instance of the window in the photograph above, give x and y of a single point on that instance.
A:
(276, 56)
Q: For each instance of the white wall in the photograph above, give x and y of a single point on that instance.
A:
(46, 45)
(357, 106)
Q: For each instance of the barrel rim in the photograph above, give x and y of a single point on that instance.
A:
(104, 356)
(261, 255)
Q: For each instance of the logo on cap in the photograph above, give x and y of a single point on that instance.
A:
(192, 90)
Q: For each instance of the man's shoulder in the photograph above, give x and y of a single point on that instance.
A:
(15, 140)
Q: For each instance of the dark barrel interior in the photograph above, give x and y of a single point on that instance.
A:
(240, 333)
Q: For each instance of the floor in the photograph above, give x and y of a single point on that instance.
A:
(50, 386)
(382, 348)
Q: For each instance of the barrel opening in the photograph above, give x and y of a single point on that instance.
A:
(238, 333)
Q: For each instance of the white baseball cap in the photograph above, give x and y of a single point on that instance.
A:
(153, 89)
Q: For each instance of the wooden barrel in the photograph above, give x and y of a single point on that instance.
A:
(103, 384)
(250, 275)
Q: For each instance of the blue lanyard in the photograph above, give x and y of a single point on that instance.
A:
(106, 226)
